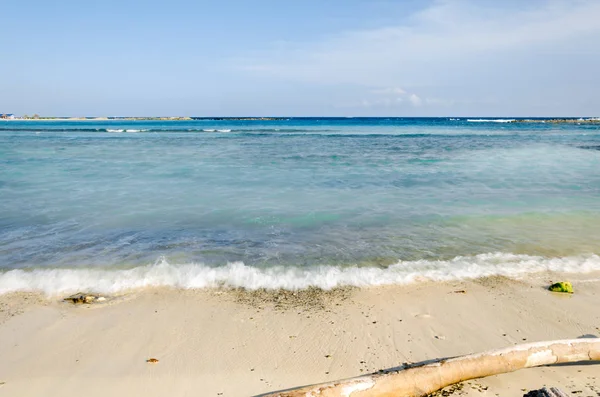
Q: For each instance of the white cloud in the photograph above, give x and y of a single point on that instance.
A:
(448, 30)
(394, 96)
(415, 100)
(457, 55)
(400, 102)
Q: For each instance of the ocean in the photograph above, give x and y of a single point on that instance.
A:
(113, 205)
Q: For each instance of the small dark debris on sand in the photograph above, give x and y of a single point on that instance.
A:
(447, 391)
(81, 298)
(546, 392)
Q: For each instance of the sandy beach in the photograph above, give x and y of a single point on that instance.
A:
(215, 342)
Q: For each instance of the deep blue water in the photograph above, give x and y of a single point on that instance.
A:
(295, 193)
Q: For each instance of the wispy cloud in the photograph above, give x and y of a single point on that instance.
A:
(435, 51)
(447, 30)
(415, 100)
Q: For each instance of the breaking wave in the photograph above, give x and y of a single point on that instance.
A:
(177, 130)
(121, 130)
(193, 276)
(491, 120)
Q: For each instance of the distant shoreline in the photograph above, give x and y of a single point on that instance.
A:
(560, 120)
(143, 118)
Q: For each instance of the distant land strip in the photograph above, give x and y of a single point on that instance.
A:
(49, 118)
(564, 120)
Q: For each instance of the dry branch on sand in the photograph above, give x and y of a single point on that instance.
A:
(424, 379)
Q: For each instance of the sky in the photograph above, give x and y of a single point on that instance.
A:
(300, 58)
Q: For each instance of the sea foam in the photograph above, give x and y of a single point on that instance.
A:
(193, 276)
(491, 120)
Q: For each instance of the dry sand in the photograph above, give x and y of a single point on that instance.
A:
(236, 343)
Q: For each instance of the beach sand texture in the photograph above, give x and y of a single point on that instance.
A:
(223, 342)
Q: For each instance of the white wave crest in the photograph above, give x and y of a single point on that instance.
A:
(491, 120)
(190, 276)
(209, 130)
(224, 130)
(123, 130)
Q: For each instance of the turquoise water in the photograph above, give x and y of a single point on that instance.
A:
(251, 201)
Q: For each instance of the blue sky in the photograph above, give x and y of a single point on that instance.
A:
(301, 58)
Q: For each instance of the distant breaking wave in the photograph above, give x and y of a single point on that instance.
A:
(491, 120)
(249, 130)
(74, 130)
(194, 276)
(260, 132)
(123, 130)
(289, 132)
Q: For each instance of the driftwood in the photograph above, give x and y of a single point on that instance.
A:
(421, 380)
